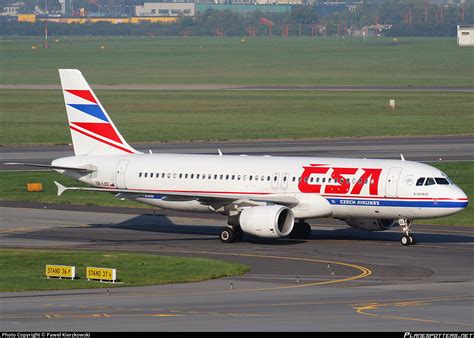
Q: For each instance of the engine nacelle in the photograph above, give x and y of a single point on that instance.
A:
(270, 221)
(371, 224)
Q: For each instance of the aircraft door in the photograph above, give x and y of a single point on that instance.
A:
(391, 185)
(120, 174)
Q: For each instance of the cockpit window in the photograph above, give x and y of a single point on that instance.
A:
(420, 181)
(430, 181)
(441, 180)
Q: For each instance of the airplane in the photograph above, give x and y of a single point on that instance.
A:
(264, 196)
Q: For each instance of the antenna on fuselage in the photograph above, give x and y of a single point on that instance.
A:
(220, 152)
(402, 158)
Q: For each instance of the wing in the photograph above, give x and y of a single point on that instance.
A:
(205, 198)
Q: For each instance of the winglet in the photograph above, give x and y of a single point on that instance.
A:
(61, 188)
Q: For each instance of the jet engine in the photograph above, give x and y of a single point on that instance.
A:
(371, 224)
(270, 221)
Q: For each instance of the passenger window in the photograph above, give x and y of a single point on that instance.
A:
(146, 174)
(250, 177)
(233, 177)
(162, 175)
(420, 181)
(244, 178)
(222, 177)
(311, 179)
(226, 177)
(174, 175)
(151, 175)
(186, 176)
(324, 179)
(294, 178)
(215, 177)
(157, 175)
(284, 179)
(139, 174)
(197, 175)
(430, 181)
(268, 178)
(180, 175)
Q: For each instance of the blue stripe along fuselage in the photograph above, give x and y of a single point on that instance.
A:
(397, 203)
(377, 202)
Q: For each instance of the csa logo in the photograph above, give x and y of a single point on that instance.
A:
(344, 180)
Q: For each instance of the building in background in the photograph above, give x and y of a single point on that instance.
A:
(465, 35)
(13, 9)
(166, 9)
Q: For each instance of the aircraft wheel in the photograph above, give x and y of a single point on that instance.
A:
(405, 240)
(227, 235)
(412, 240)
(306, 231)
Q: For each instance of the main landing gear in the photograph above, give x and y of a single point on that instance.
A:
(231, 234)
(406, 239)
(301, 230)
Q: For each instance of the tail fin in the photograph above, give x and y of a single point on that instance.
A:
(92, 130)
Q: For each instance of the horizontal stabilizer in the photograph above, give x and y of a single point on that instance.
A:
(51, 166)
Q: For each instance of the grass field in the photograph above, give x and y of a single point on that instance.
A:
(13, 187)
(277, 61)
(33, 117)
(24, 270)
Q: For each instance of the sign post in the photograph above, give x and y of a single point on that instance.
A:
(102, 274)
(60, 271)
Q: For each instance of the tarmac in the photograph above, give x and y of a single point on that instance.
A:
(341, 279)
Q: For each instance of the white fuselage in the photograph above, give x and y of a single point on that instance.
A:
(354, 188)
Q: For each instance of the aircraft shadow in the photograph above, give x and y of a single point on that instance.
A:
(355, 234)
(158, 223)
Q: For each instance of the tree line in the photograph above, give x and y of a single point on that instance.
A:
(407, 17)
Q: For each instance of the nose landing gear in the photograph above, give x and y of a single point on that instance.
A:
(406, 239)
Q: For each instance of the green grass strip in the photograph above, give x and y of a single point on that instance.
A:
(24, 270)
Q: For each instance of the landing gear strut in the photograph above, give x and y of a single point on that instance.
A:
(406, 239)
(231, 234)
(301, 230)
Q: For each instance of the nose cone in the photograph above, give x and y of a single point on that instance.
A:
(460, 199)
